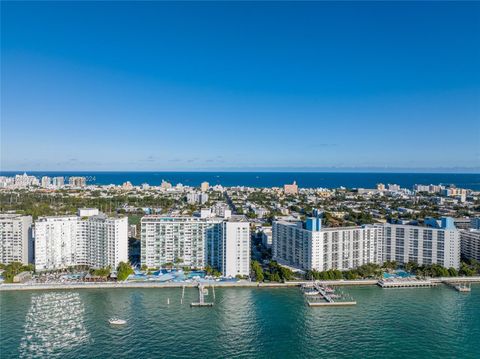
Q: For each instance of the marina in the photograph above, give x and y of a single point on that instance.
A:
(318, 295)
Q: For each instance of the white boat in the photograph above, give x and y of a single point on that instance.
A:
(116, 321)
(312, 292)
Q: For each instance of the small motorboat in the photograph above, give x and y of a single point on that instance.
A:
(117, 321)
(312, 292)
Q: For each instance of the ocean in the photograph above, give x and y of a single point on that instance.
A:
(244, 323)
(273, 179)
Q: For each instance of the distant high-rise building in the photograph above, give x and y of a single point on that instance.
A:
(127, 186)
(46, 181)
(421, 188)
(22, 181)
(222, 210)
(393, 187)
(291, 188)
(58, 182)
(204, 186)
(16, 244)
(77, 181)
(380, 187)
(165, 185)
(194, 198)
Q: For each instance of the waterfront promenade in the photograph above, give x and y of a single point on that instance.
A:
(242, 283)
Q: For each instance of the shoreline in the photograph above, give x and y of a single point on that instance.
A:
(240, 284)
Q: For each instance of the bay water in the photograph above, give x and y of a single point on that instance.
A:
(244, 323)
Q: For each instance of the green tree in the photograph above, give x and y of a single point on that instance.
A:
(257, 271)
(452, 272)
(123, 271)
(14, 268)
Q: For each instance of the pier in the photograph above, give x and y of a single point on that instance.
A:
(202, 291)
(412, 283)
(459, 287)
(323, 296)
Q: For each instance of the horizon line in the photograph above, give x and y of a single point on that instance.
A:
(398, 170)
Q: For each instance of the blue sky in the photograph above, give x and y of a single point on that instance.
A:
(239, 86)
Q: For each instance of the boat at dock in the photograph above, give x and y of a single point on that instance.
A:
(320, 295)
(459, 287)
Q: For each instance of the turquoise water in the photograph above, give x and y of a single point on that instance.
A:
(245, 323)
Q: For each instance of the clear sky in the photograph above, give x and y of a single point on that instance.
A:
(226, 86)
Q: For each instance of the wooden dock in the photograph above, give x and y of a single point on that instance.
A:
(202, 291)
(330, 304)
(198, 304)
(324, 298)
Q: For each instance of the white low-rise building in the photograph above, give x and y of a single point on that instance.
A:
(16, 244)
(91, 239)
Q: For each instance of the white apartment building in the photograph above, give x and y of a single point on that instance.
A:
(194, 197)
(470, 244)
(46, 181)
(58, 182)
(16, 244)
(266, 234)
(23, 181)
(197, 242)
(234, 248)
(75, 181)
(91, 239)
(222, 210)
(313, 247)
(422, 245)
(56, 242)
(325, 248)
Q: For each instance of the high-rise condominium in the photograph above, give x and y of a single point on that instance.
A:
(309, 246)
(313, 247)
(91, 239)
(197, 242)
(422, 245)
(16, 243)
(470, 244)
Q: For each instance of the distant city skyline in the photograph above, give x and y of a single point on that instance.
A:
(311, 86)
